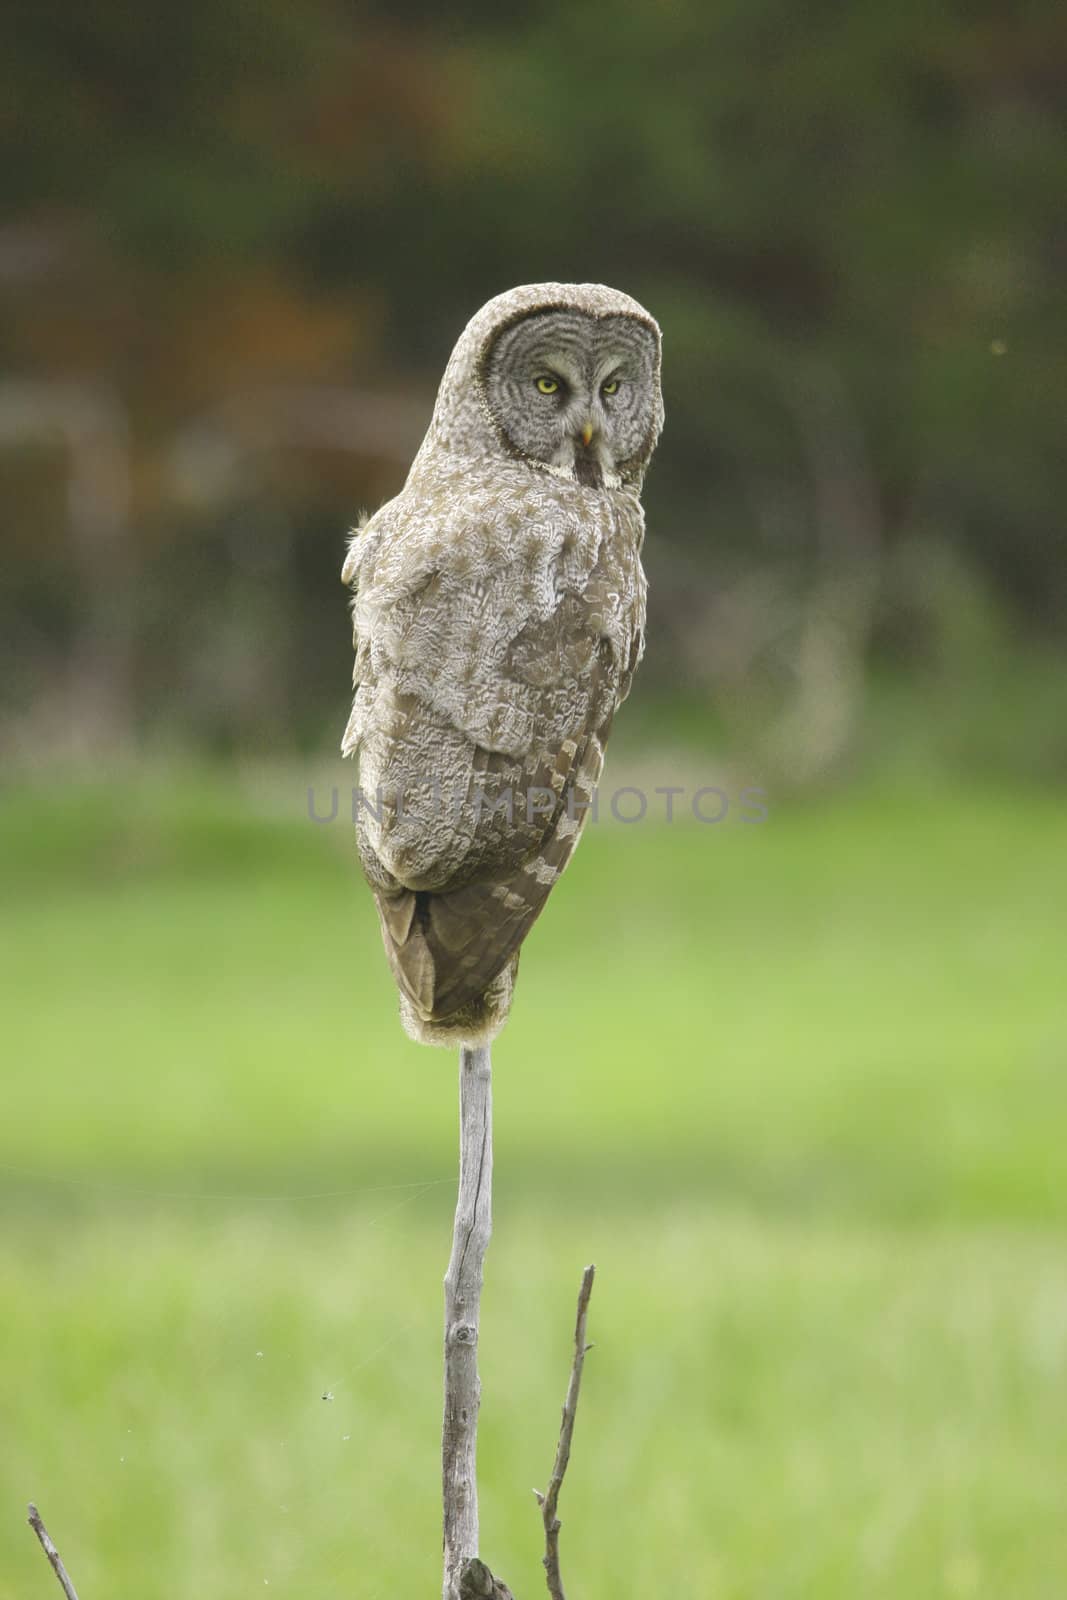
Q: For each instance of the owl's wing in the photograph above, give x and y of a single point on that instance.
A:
(503, 660)
(446, 946)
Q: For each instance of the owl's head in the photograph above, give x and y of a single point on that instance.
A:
(567, 378)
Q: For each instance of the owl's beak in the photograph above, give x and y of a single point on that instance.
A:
(587, 434)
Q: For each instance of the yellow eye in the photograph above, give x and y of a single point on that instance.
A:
(610, 388)
(548, 385)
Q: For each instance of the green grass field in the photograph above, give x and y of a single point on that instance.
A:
(799, 1089)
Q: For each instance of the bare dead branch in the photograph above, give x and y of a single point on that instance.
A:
(463, 1292)
(549, 1500)
(466, 1577)
(50, 1551)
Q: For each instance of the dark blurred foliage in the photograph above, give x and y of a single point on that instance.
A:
(243, 235)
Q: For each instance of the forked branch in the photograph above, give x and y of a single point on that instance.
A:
(466, 1577)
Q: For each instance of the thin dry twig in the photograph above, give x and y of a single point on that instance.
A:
(463, 1291)
(50, 1551)
(549, 1500)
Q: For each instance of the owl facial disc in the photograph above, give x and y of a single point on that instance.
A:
(575, 392)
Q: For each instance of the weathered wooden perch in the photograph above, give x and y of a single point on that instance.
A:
(463, 1298)
(466, 1577)
(34, 1520)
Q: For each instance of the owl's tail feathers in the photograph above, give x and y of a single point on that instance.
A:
(476, 1023)
(454, 952)
(454, 955)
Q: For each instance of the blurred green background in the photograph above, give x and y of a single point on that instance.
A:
(800, 1088)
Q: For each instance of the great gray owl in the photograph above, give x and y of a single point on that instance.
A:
(498, 618)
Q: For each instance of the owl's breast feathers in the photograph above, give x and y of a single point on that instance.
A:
(493, 646)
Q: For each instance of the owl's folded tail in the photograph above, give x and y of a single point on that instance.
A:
(475, 1023)
(455, 951)
(454, 955)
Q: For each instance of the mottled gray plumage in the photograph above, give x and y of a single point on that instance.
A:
(498, 619)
